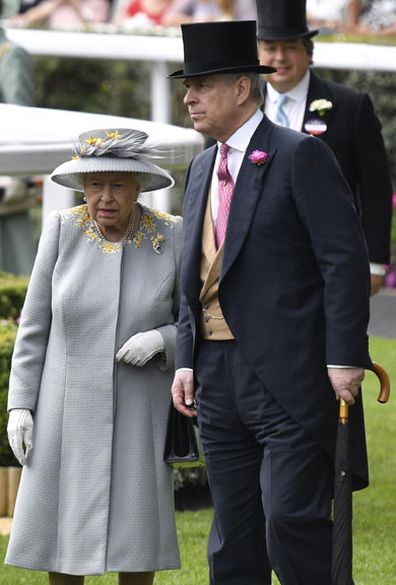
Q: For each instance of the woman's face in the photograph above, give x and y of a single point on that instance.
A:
(110, 199)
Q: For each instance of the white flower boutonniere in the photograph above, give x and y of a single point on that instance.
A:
(321, 106)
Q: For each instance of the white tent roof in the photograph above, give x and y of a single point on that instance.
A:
(35, 140)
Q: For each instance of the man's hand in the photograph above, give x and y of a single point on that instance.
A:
(346, 382)
(183, 393)
(377, 281)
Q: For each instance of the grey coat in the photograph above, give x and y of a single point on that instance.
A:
(95, 495)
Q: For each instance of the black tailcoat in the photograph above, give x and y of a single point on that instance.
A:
(354, 135)
(294, 285)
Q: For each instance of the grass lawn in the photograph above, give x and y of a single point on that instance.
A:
(374, 508)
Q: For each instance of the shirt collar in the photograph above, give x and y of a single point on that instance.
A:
(298, 93)
(241, 138)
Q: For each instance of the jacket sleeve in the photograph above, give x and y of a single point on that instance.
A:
(185, 335)
(374, 183)
(168, 332)
(31, 342)
(185, 338)
(327, 211)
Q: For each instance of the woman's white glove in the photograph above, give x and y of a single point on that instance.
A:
(20, 433)
(140, 348)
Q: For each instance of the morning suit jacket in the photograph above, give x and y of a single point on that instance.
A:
(354, 135)
(294, 283)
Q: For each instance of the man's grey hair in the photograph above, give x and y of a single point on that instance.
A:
(256, 84)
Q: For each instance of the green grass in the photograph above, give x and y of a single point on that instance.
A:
(374, 508)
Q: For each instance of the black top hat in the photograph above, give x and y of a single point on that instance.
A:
(280, 20)
(220, 47)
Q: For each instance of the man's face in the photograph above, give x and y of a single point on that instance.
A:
(213, 104)
(291, 60)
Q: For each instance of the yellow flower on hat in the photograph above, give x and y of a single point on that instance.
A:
(93, 140)
(114, 135)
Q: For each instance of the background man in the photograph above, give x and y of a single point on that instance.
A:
(340, 116)
(17, 248)
(16, 71)
(274, 256)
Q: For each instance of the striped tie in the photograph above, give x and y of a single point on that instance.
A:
(281, 116)
(225, 189)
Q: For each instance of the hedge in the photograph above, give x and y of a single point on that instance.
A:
(8, 329)
(12, 294)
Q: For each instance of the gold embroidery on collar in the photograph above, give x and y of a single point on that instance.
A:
(147, 228)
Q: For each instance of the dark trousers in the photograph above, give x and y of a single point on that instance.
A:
(270, 483)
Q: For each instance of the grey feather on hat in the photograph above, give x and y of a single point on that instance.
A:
(119, 150)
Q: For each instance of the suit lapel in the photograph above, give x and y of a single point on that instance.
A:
(318, 90)
(247, 192)
(198, 188)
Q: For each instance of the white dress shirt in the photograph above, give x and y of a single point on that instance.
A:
(294, 107)
(238, 144)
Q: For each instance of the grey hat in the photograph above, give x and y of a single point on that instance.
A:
(118, 150)
(9, 8)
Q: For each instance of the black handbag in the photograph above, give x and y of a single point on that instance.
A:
(182, 443)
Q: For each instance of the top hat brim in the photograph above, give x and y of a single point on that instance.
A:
(274, 35)
(239, 69)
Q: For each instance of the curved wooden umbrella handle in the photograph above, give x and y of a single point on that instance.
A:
(383, 377)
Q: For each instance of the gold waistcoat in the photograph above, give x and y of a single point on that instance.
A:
(213, 325)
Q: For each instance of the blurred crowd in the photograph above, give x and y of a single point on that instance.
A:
(353, 16)
(128, 13)
(348, 16)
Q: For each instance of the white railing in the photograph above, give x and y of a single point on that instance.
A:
(162, 50)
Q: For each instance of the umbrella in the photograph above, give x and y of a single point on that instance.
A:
(342, 526)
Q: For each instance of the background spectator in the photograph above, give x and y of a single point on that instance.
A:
(16, 87)
(63, 13)
(377, 16)
(16, 71)
(331, 16)
(245, 10)
(150, 12)
(184, 11)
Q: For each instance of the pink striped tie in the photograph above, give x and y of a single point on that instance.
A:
(225, 189)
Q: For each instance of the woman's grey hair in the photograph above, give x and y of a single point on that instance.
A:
(256, 84)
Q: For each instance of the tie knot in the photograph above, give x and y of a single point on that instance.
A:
(223, 173)
(282, 99)
(281, 116)
(224, 148)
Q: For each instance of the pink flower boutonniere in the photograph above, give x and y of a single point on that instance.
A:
(258, 157)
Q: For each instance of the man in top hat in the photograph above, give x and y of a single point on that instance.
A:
(271, 330)
(342, 117)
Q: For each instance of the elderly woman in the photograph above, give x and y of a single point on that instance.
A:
(91, 372)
